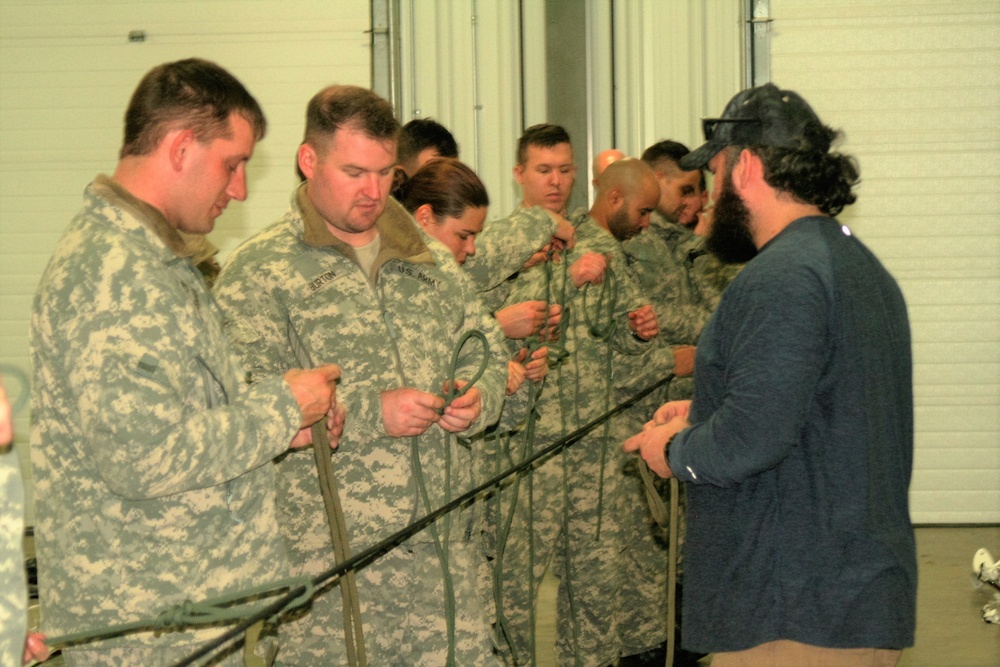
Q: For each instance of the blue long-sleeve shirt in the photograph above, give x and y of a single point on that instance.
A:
(800, 453)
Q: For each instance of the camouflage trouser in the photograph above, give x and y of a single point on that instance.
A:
(561, 526)
(403, 614)
(646, 558)
(644, 588)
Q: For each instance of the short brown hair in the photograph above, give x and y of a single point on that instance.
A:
(338, 106)
(193, 94)
(543, 135)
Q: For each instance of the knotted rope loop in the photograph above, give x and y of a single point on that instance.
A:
(454, 391)
(602, 325)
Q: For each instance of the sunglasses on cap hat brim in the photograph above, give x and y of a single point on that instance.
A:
(709, 125)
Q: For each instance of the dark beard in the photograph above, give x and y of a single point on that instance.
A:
(618, 225)
(729, 238)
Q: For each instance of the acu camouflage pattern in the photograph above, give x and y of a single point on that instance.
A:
(660, 267)
(659, 260)
(711, 275)
(570, 495)
(151, 455)
(664, 260)
(502, 248)
(13, 587)
(394, 328)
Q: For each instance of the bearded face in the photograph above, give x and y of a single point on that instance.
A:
(620, 226)
(730, 239)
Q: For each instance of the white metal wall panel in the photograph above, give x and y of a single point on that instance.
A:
(67, 70)
(462, 67)
(915, 84)
(675, 62)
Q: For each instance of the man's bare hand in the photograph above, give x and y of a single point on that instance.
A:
(515, 374)
(463, 410)
(315, 391)
(335, 420)
(565, 234)
(670, 411)
(537, 257)
(538, 366)
(651, 444)
(407, 411)
(643, 323)
(588, 269)
(521, 320)
(35, 648)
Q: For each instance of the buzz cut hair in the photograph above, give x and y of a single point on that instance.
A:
(543, 135)
(422, 133)
(340, 106)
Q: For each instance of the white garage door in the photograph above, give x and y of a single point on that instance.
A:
(915, 84)
(67, 69)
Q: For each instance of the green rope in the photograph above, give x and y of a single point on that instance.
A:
(503, 532)
(336, 521)
(442, 547)
(219, 609)
(454, 391)
(603, 325)
(557, 349)
(371, 554)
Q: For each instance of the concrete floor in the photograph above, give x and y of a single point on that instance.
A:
(950, 629)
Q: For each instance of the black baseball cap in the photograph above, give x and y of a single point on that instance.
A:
(761, 116)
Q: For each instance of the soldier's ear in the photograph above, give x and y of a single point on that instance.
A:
(616, 198)
(179, 144)
(518, 173)
(307, 159)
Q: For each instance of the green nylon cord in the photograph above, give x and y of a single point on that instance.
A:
(336, 521)
(442, 547)
(503, 532)
(454, 391)
(371, 554)
(219, 609)
(602, 325)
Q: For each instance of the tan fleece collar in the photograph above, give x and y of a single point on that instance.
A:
(148, 215)
(398, 234)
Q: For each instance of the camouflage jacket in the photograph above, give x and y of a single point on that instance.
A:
(295, 284)
(658, 259)
(502, 248)
(13, 589)
(150, 452)
(710, 275)
(577, 390)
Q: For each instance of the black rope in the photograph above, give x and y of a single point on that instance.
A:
(373, 553)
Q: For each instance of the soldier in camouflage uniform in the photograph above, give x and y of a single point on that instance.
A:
(13, 588)
(151, 455)
(506, 246)
(578, 501)
(449, 202)
(15, 642)
(659, 256)
(347, 273)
